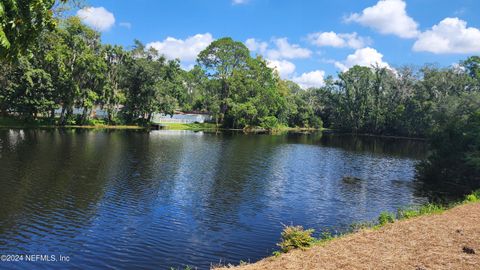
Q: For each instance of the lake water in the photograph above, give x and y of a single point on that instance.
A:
(133, 199)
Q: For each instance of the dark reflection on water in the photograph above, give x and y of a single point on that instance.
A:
(126, 199)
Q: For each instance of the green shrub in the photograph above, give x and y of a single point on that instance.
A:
(276, 253)
(95, 122)
(431, 209)
(407, 213)
(296, 237)
(418, 211)
(471, 198)
(326, 236)
(116, 121)
(386, 217)
(269, 122)
(358, 226)
(474, 197)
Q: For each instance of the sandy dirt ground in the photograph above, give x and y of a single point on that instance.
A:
(450, 240)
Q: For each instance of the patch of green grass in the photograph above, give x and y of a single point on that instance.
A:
(276, 253)
(420, 211)
(96, 122)
(431, 209)
(407, 213)
(474, 197)
(12, 122)
(325, 237)
(358, 226)
(103, 127)
(385, 218)
(191, 126)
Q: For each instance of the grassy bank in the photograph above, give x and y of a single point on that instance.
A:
(212, 126)
(190, 126)
(9, 122)
(423, 237)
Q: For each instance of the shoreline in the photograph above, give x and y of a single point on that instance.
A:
(17, 124)
(376, 135)
(119, 127)
(195, 127)
(406, 242)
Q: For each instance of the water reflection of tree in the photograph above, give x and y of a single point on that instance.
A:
(377, 145)
(147, 168)
(55, 179)
(241, 161)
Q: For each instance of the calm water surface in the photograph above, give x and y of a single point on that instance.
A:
(130, 199)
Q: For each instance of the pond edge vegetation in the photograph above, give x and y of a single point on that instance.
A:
(9, 122)
(294, 237)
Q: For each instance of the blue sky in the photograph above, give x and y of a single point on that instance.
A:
(304, 40)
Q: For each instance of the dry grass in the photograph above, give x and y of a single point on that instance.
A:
(437, 241)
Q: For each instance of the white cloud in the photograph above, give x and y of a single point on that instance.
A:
(362, 57)
(310, 79)
(332, 39)
(451, 35)
(256, 46)
(239, 2)
(283, 67)
(126, 25)
(387, 17)
(185, 50)
(285, 50)
(97, 17)
(277, 57)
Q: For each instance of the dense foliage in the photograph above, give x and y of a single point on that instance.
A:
(392, 102)
(453, 165)
(21, 21)
(70, 70)
(294, 237)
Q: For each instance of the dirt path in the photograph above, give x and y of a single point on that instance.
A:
(440, 241)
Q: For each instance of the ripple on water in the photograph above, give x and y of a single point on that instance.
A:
(166, 199)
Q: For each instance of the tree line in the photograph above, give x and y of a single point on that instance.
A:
(68, 67)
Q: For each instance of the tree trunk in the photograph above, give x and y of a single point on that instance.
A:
(68, 115)
(84, 115)
(109, 116)
(223, 105)
(52, 115)
(62, 116)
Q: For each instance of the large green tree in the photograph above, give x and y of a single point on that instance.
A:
(453, 164)
(152, 84)
(21, 22)
(113, 94)
(472, 65)
(81, 69)
(220, 60)
(356, 101)
(254, 99)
